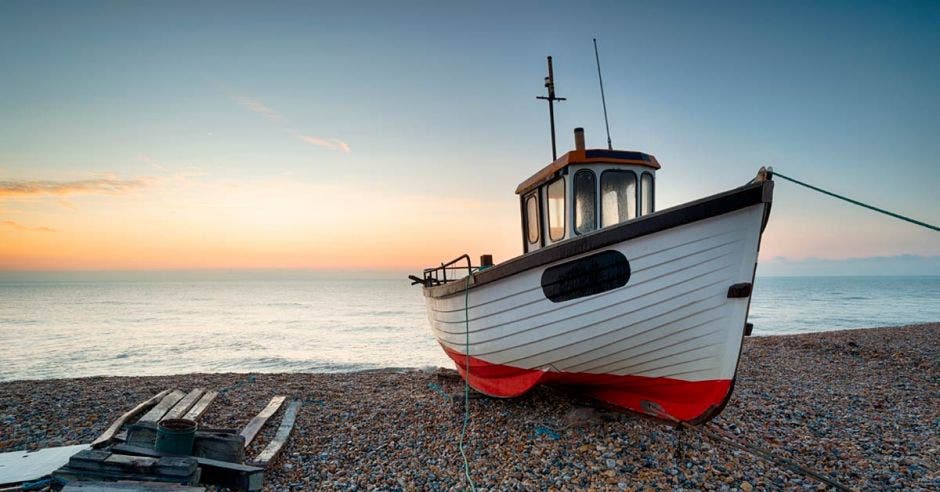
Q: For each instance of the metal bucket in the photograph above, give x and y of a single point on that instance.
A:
(176, 436)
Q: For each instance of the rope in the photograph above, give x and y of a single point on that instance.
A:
(856, 202)
(466, 385)
(748, 448)
(767, 455)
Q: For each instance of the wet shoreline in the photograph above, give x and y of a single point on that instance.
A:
(859, 406)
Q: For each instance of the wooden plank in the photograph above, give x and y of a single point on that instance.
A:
(100, 464)
(224, 446)
(157, 412)
(70, 474)
(180, 469)
(184, 405)
(130, 485)
(251, 430)
(142, 434)
(107, 435)
(235, 476)
(200, 407)
(26, 466)
(283, 433)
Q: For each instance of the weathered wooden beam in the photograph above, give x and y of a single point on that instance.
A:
(235, 476)
(99, 460)
(98, 464)
(219, 445)
(185, 404)
(127, 485)
(157, 412)
(283, 433)
(142, 434)
(200, 407)
(107, 435)
(70, 474)
(251, 430)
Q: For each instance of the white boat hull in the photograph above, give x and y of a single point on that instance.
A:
(665, 343)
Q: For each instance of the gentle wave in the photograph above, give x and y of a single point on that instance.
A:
(71, 329)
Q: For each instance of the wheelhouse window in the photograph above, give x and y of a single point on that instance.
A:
(618, 197)
(585, 200)
(556, 209)
(646, 194)
(532, 219)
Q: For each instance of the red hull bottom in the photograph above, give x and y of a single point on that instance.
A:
(688, 401)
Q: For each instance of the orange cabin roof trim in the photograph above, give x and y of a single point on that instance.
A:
(588, 156)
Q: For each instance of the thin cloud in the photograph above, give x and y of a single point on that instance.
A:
(343, 146)
(327, 143)
(258, 107)
(16, 226)
(153, 163)
(101, 186)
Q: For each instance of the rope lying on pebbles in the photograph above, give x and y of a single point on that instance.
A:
(718, 434)
(709, 430)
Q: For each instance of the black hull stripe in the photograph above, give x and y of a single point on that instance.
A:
(705, 208)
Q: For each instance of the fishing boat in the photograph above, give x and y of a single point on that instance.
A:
(645, 310)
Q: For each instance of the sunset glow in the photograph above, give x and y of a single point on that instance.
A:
(280, 140)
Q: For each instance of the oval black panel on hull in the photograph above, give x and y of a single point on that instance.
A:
(586, 276)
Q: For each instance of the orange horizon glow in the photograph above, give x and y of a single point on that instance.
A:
(191, 222)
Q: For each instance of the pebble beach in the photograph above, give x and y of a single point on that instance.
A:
(861, 407)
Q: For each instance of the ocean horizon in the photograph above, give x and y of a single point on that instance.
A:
(78, 324)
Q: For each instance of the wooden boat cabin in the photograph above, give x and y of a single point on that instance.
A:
(585, 190)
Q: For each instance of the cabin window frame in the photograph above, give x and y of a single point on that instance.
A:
(564, 211)
(574, 202)
(527, 222)
(636, 195)
(640, 194)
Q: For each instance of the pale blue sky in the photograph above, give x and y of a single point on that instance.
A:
(432, 98)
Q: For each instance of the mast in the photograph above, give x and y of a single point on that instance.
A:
(550, 85)
(603, 100)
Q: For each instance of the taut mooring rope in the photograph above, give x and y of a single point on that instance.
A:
(856, 202)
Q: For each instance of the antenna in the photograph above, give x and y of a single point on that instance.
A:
(550, 85)
(603, 100)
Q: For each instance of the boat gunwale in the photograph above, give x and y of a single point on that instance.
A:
(753, 193)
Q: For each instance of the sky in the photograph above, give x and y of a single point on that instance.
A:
(392, 135)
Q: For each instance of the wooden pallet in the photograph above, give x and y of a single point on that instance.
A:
(217, 456)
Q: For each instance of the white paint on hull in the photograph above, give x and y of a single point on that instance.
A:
(672, 319)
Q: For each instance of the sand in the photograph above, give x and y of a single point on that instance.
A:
(859, 406)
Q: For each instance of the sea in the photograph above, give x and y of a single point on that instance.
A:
(166, 324)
